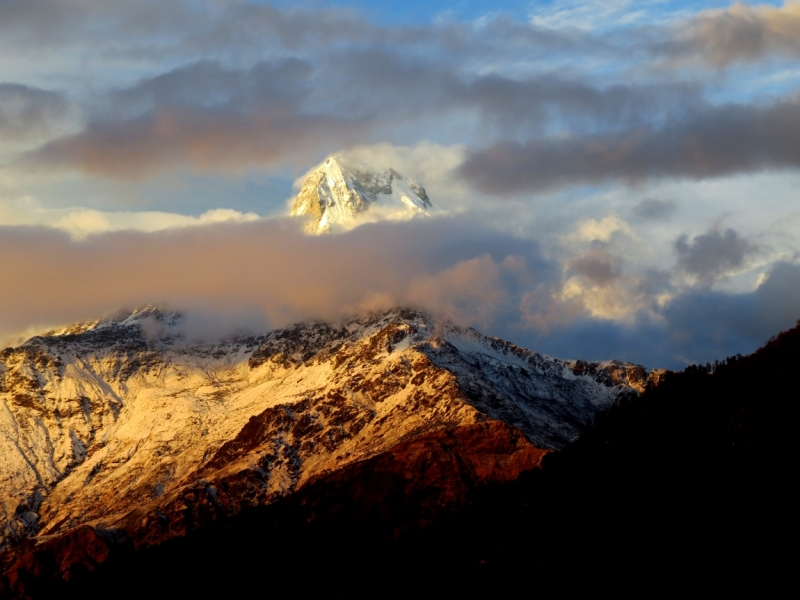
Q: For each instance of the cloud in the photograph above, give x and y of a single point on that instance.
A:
(67, 22)
(472, 291)
(532, 103)
(599, 266)
(713, 254)
(716, 141)
(585, 14)
(270, 265)
(213, 118)
(603, 273)
(704, 325)
(651, 209)
(82, 222)
(695, 326)
(602, 230)
(739, 33)
(428, 163)
(246, 276)
(28, 112)
(202, 117)
(181, 28)
(233, 86)
(203, 140)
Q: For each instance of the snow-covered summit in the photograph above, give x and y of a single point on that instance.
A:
(343, 193)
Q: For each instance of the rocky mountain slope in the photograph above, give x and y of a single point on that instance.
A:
(687, 484)
(342, 194)
(108, 423)
(123, 427)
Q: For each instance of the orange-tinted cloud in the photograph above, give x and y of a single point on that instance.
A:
(203, 140)
(270, 266)
(741, 32)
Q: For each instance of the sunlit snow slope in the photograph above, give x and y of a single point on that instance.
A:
(340, 194)
(121, 422)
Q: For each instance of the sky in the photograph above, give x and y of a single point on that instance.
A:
(617, 179)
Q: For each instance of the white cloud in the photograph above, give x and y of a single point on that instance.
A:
(588, 14)
(590, 230)
(82, 222)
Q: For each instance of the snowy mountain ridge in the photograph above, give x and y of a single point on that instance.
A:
(106, 425)
(123, 318)
(341, 194)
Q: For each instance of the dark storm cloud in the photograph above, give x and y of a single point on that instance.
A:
(714, 141)
(28, 112)
(710, 255)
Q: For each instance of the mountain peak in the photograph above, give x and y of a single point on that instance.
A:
(341, 193)
(119, 318)
(105, 424)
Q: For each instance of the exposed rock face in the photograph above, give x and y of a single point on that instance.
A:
(338, 194)
(120, 429)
